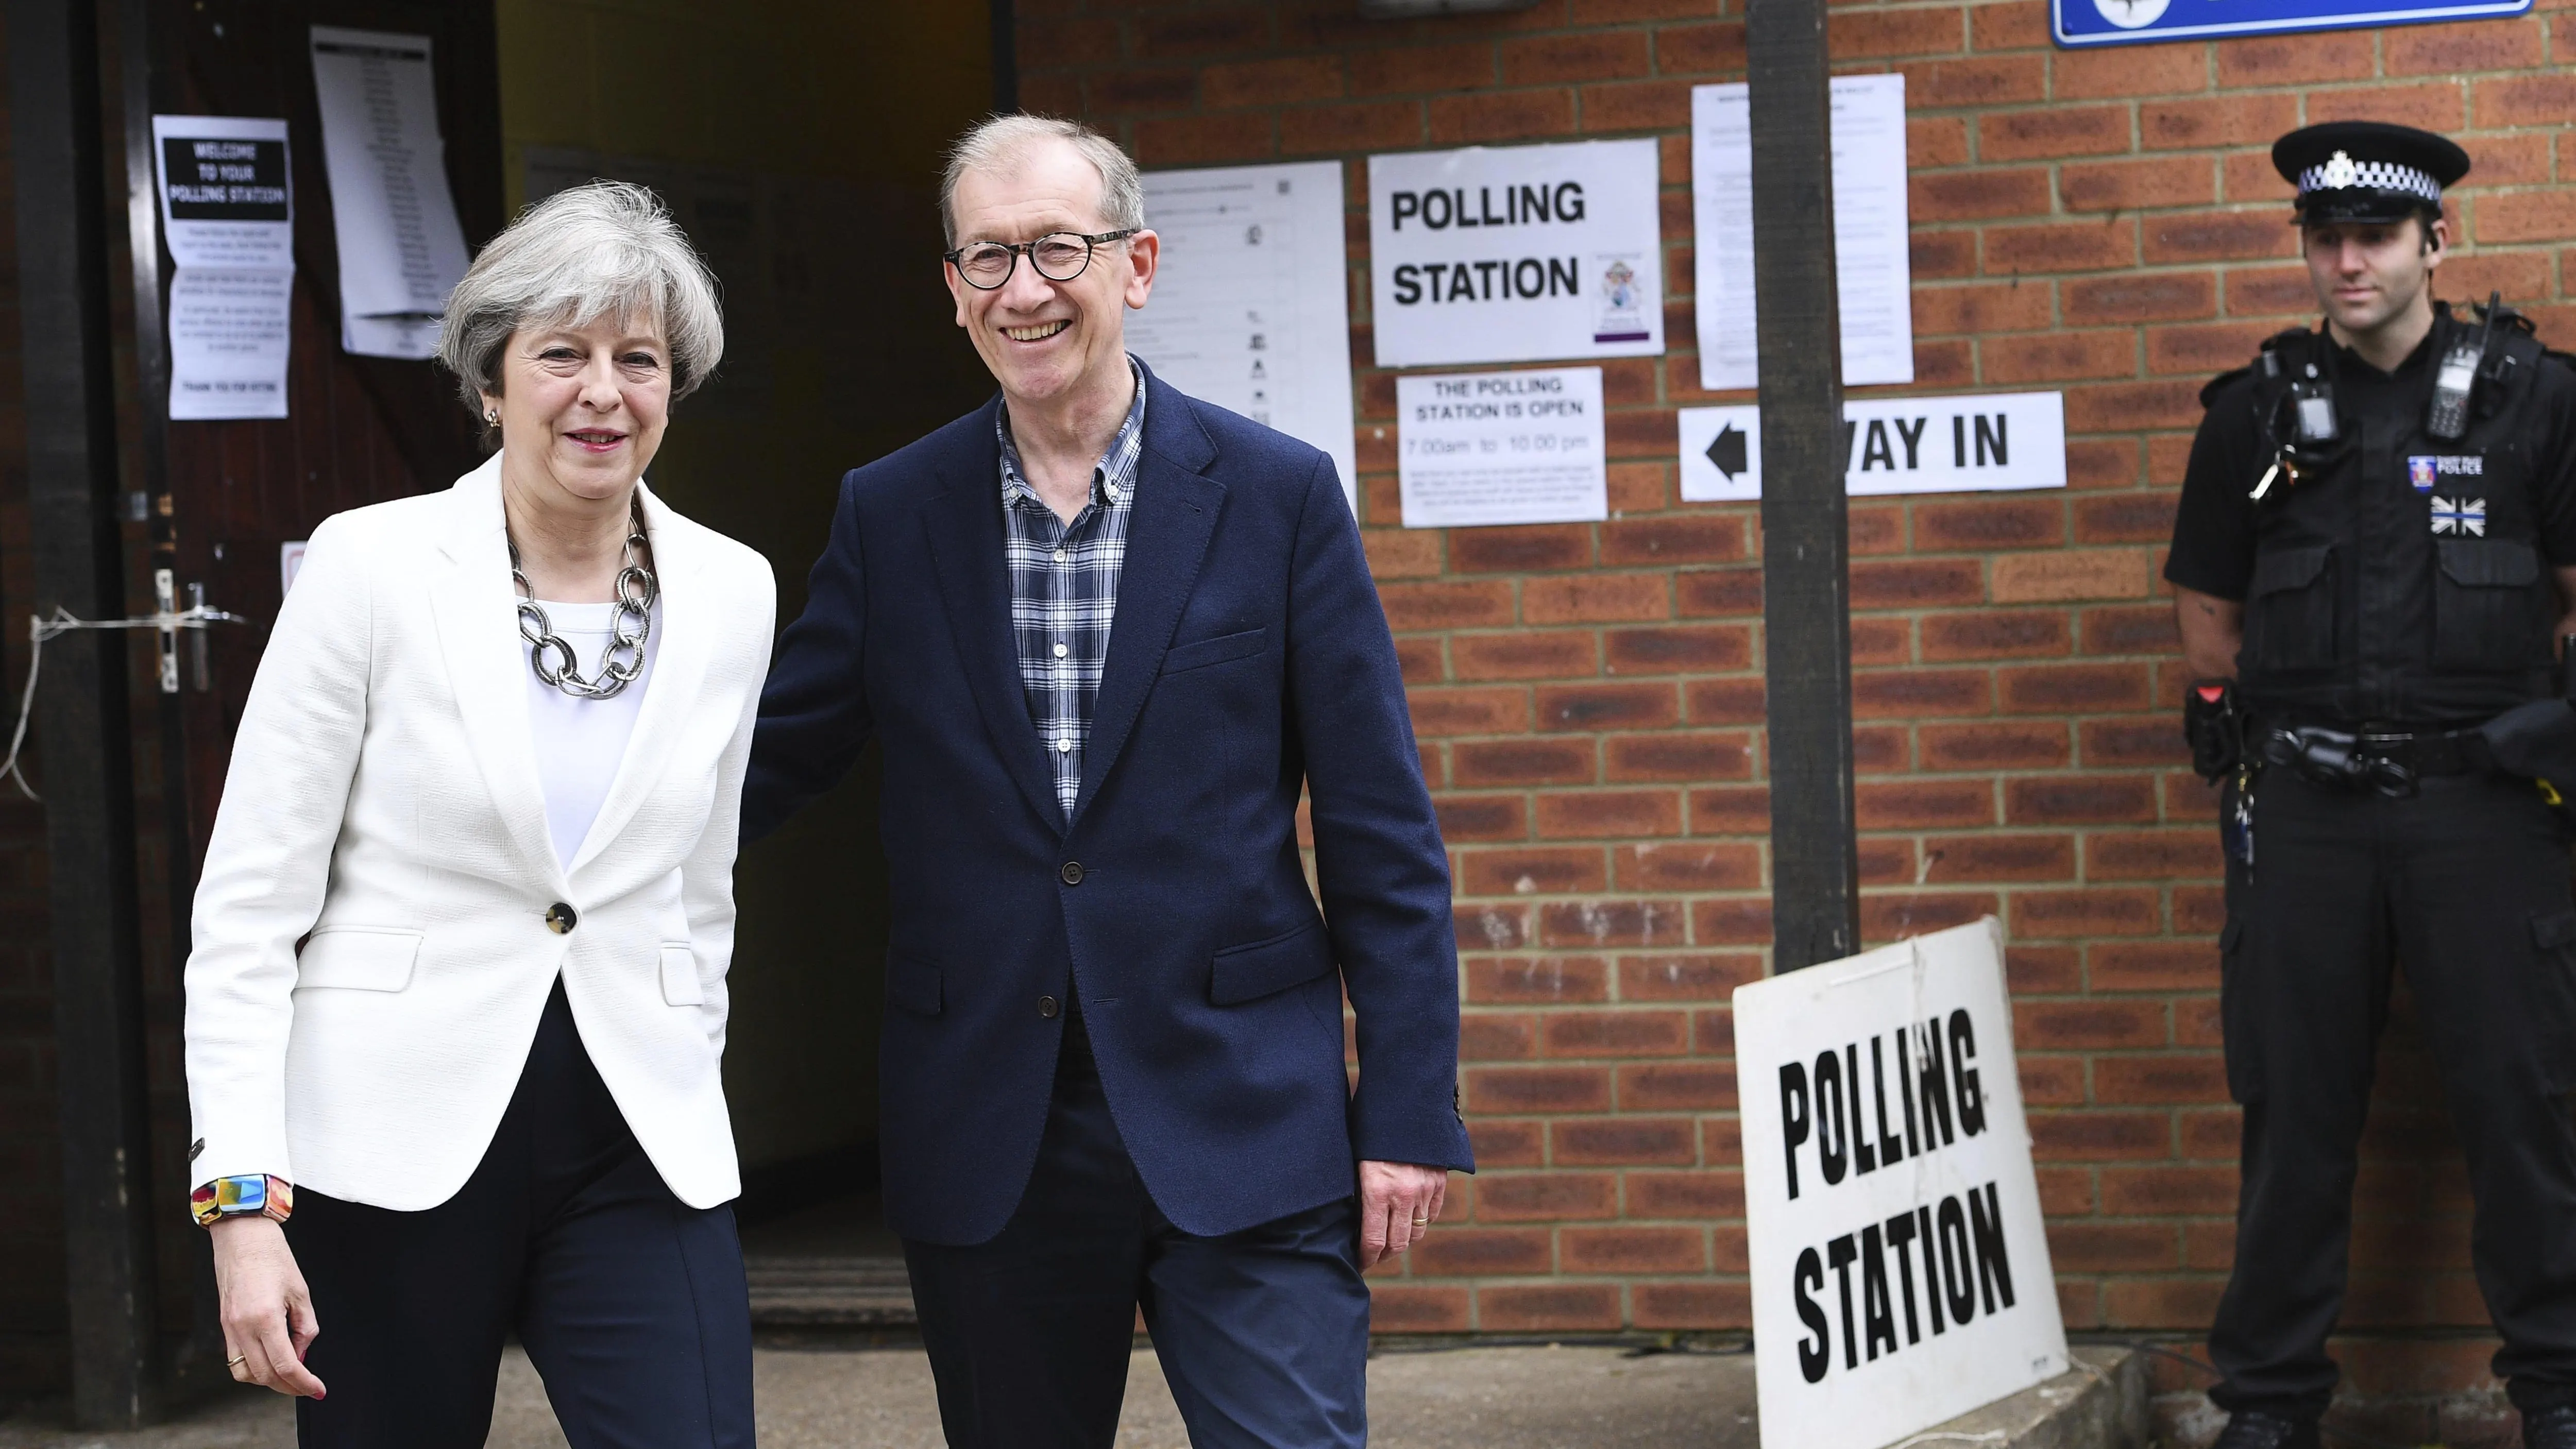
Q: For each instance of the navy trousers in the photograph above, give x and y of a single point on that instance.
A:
(1263, 1334)
(631, 1303)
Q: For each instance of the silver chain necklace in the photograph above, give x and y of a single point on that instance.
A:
(633, 624)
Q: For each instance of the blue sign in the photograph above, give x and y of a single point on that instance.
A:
(2144, 22)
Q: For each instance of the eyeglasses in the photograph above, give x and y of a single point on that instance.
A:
(1059, 256)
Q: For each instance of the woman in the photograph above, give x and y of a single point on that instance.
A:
(457, 1003)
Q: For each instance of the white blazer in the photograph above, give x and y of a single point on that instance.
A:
(372, 952)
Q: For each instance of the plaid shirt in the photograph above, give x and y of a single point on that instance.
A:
(1064, 589)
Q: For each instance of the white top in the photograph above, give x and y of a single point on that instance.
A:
(579, 742)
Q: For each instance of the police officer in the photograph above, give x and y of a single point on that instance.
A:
(2372, 560)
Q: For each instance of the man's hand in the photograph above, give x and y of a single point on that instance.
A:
(1398, 1203)
(267, 1311)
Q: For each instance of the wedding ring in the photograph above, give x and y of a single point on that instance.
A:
(1422, 1222)
(237, 1360)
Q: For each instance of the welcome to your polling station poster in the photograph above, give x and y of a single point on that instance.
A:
(1900, 1269)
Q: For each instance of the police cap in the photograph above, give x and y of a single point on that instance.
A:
(2367, 170)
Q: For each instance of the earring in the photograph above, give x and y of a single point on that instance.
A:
(491, 419)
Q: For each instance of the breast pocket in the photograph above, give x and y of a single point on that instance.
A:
(2484, 604)
(1223, 649)
(2290, 610)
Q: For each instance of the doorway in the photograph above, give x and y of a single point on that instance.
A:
(798, 142)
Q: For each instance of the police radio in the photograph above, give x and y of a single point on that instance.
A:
(2447, 415)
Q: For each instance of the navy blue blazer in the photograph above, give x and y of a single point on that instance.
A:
(1249, 657)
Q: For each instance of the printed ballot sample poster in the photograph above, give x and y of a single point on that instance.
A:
(1251, 305)
(1900, 1270)
(1516, 254)
(401, 249)
(228, 217)
(1871, 258)
(1986, 443)
(1502, 447)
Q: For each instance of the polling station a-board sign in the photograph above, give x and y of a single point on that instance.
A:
(1900, 1270)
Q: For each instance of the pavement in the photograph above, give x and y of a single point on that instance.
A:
(1540, 1397)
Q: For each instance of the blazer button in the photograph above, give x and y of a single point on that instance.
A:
(1072, 872)
(1048, 1007)
(561, 918)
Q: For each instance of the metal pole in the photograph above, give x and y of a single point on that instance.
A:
(82, 725)
(1806, 583)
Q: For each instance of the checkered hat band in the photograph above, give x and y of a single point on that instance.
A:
(2377, 175)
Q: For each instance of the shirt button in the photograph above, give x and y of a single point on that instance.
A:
(1061, 651)
(1072, 873)
(561, 918)
(1048, 1006)
(1064, 747)
(1059, 555)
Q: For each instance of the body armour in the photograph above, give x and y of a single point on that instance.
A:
(2399, 578)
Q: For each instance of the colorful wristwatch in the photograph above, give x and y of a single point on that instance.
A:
(234, 1197)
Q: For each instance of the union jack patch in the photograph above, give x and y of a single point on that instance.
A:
(2460, 516)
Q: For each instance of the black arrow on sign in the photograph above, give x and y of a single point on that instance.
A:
(1727, 452)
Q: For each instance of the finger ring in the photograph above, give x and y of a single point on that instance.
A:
(236, 1361)
(1422, 1222)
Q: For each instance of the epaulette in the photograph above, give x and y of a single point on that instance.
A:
(2295, 339)
(2507, 317)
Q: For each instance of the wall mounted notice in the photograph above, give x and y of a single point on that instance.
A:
(1502, 447)
(1900, 1270)
(1871, 259)
(1990, 442)
(228, 217)
(1251, 307)
(401, 250)
(1516, 254)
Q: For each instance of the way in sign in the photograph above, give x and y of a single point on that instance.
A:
(1877, 445)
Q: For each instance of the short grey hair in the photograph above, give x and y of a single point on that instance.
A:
(997, 143)
(607, 248)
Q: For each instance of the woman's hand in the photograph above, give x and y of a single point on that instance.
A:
(267, 1311)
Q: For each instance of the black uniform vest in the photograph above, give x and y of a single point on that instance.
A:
(2402, 582)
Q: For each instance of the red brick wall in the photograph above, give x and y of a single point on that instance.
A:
(1589, 695)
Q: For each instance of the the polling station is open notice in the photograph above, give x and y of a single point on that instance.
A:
(1900, 1270)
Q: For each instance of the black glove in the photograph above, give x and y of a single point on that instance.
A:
(2536, 739)
(2214, 727)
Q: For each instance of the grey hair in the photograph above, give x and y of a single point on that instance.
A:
(607, 248)
(998, 142)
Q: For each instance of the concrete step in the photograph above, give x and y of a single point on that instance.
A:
(828, 1291)
(2101, 1403)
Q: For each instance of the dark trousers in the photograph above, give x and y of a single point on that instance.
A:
(631, 1303)
(1262, 1334)
(2465, 884)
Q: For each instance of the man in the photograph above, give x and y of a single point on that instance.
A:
(1106, 633)
(2376, 540)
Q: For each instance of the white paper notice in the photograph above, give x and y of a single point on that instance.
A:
(1985, 443)
(401, 249)
(1516, 254)
(1502, 447)
(1871, 259)
(228, 216)
(1251, 306)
